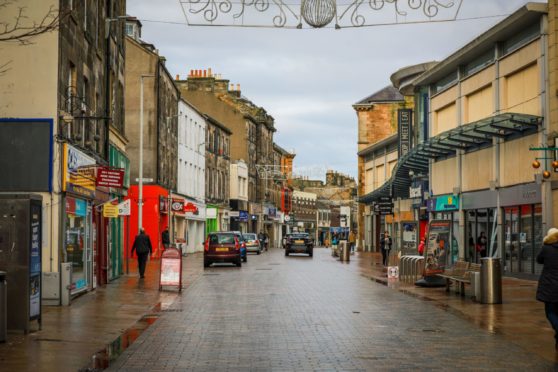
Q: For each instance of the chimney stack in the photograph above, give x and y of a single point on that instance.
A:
(209, 72)
(177, 77)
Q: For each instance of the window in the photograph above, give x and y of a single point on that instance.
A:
(446, 82)
(129, 30)
(479, 63)
(522, 38)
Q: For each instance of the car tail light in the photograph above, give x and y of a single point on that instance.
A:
(236, 245)
(206, 246)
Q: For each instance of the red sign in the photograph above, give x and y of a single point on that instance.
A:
(177, 205)
(170, 273)
(110, 177)
(190, 207)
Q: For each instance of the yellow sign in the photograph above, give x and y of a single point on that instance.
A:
(110, 211)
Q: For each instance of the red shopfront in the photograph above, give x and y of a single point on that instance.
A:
(154, 218)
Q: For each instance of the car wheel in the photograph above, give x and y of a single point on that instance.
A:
(286, 252)
(311, 252)
(206, 263)
(245, 258)
(239, 263)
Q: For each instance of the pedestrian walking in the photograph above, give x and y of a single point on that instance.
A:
(385, 245)
(261, 239)
(421, 246)
(165, 238)
(352, 241)
(547, 290)
(482, 242)
(266, 240)
(142, 246)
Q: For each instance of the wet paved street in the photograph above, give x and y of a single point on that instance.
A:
(297, 313)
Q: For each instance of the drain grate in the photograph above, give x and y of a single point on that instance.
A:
(172, 310)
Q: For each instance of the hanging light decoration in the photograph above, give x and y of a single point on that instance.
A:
(318, 13)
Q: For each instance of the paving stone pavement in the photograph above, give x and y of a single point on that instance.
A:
(309, 314)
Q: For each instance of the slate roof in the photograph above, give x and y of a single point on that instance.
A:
(387, 94)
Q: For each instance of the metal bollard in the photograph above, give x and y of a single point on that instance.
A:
(66, 283)
(3, 307)
(491, 281)
(346, 253)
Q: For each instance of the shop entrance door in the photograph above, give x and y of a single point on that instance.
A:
(523, 235)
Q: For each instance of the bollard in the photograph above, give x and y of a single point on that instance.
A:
(66, 283)
(346, 252)
(491, 281)
(3, 307)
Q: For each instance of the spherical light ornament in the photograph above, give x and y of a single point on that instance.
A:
(555, 164)
(536, 164)
(546, 174)
(318, 13)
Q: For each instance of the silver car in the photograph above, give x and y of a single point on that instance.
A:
(252, 243)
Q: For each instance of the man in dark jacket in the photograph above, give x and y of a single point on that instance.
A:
(142, 246)
(165, 238)
(547, 290)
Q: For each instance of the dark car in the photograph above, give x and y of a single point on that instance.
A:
(222, 247)
(299, 243)
(242, 241)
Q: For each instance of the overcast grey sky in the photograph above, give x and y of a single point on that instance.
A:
(308, 79)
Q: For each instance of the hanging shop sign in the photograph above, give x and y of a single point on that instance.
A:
(163, 204)
(243, 216)
(110, 210)
(404, 119)
(110, 177)
(445, 203)
(437, 245)
(170, 270)
(125, 208)
(234, 214)
(415, 192)
(177, 205)
(78, 172)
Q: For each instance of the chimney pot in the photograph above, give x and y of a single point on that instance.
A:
(204, 73)
(232, 88)
(177, 77)
(191, 72)
(238, 87)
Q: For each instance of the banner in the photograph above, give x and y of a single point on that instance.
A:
(404, 119)
(110, 177)
(78, 172)
(437, 246)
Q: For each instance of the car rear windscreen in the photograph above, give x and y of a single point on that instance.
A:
(250, 237)
(221, 239)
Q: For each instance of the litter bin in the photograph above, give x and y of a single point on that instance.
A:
(3, 307)
(491, 280)
(346, 252)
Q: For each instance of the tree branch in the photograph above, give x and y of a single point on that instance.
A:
(22, 31)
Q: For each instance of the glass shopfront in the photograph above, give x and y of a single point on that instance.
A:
(77, 245)
(481, 233)
(523, 238)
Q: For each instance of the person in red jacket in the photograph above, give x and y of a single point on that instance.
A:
(421, 246)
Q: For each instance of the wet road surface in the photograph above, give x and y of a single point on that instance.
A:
(300, 313)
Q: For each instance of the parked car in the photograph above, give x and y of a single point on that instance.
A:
(299, 243)
(252, 243)
(242, 241)
(222, 247)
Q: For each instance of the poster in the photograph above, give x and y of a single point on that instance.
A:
(170, 271)
(35, 267)
(438, 243)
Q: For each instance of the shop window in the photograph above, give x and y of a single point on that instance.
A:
(479, 63)
(521, 38)
(446, 82)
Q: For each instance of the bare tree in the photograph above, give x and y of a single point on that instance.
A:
(21, 29)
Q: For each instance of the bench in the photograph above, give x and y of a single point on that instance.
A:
(460, 274)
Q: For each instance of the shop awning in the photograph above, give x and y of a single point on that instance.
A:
(466, 137)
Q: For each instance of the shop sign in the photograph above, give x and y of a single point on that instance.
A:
(163, 203)
(415, 192)
(211, 213)
(110, 210)
(234, 214)
(177, 205)
(287, 218)
(125, 208)
(272, 212)
(443, 203)
(190, 208)
(404, 119)
(110, 177)
(78, 172)
(243, 216)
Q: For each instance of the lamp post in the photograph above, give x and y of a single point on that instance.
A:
(140, 185)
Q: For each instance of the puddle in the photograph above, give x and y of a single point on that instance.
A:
(103, 358)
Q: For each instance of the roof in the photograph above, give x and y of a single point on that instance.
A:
(523, 17)
(387, 94)
(281, 150)
(384, 143)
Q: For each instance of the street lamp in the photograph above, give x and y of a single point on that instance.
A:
(140, 185)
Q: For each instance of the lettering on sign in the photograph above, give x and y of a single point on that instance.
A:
(405, 118)
(110, 177)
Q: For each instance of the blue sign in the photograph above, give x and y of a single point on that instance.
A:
(243, 216)
(81, 208)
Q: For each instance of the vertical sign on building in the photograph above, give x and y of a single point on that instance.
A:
(404, 120)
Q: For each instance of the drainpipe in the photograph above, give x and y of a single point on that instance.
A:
(546, 187)
(460, 153)
(496, 156)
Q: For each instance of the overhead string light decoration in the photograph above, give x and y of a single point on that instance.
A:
(317, 13)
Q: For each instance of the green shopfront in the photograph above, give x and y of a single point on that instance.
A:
(118, 226)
